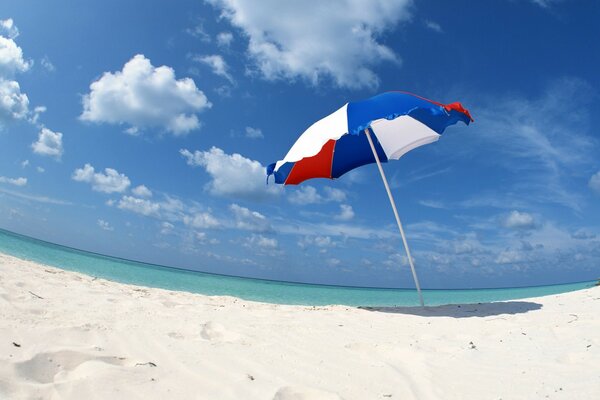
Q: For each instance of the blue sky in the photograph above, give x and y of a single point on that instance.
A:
(141, 129)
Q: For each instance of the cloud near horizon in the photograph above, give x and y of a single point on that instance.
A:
(232, 175)
(111, 181)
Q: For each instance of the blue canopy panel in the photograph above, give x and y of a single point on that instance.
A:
(352, 151)
(391, 105)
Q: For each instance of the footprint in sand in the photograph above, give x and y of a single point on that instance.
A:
(304, 393)
(43, 367)
(216, 332)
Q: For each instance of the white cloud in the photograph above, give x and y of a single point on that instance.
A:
(432, 204)
(11, 58)
(254, 133)
(346, 213)
(198, 32)
(519, 220)
(166, 228)
(334, 262)
(141, 191)
(217, 64)
(434, 26)
(224, 39)
(139, 206)
(49, 143)
(249, 220)
(14, 181)
(41, 170)
(261, 241)
(594, 182)
(323, 242)
(105, 225)
(509, 256)
(24, 163)
(13, 103)
(319, 39)
(202, 238)
(201, 220)
(8, 26)
(309, 195)
(305, 195)
(144, 96)
(546, 3)
(47, 64)
(111, 181)
(232, 174)
(333, 194)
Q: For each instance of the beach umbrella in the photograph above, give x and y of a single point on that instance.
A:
(374, 130)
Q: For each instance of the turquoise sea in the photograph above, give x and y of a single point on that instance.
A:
(143, 274)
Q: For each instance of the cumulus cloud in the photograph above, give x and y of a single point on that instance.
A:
(346, 213)
(254, 133)
(201, 220)
(434, 26)
(105, 225)
(49, 143)
(217, 64)
(111, 181)
(47, 64)
(323, 242)
(14, 181)
(509, 256)
(288, 40)
(139, 206)
(11, 58)
(594, 183)
(203, 238)
(141, 191)
(249, 220)
(232, 175)
(35, 116)
(307, 194)
(224, 39)
(8, 26)
(199, 32)
(144, 96)
(519, 220)
(257, 240)
(13, 103)
(166, 228)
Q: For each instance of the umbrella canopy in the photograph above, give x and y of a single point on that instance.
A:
(336, 144)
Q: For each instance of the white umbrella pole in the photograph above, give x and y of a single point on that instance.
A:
(389, 193)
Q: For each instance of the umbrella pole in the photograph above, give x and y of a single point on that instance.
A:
(389, 193)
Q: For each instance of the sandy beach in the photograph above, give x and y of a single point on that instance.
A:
(65, 335)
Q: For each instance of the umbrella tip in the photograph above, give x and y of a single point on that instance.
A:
(456, 106)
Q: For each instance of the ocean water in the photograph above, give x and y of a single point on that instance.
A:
(150, 275)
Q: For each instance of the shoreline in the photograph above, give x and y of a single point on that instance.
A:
(69, 335)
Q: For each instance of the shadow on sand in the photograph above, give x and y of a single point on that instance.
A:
(463, 310)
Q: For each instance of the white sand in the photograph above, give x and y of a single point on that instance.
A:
(86, 338)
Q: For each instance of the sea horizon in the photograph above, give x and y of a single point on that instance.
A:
(252, 288)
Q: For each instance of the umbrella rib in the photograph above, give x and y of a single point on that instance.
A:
(389, 193)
